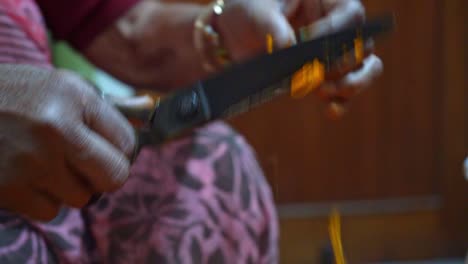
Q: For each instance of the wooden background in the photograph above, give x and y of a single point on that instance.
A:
(403, 139)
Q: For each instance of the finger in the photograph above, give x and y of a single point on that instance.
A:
(348, 62)
(67, 186)
(103, 166)
(369, 47)
(344, 12)
(98, 115)
(339, 14)
(55, 178)
(106, 121)
(245, 25)
(29, 202)
(350, 84)
(281, 31)
(355, 82)
(137, 110)
(289, 7)
(302, 12)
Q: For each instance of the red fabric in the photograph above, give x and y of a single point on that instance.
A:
(80, 21)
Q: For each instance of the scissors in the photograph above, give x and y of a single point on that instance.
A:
(244, 86)
(241, 87)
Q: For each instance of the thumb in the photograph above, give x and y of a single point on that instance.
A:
(281, 31)
(245, 25)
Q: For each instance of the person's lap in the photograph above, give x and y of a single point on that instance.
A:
(197, 200)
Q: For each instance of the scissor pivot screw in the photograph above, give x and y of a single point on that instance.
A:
(188, 105)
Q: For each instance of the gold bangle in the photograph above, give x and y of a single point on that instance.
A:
(207, 41)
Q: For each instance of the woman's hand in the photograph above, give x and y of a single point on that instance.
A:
(60, 143)
(245, 24)
(152, 46)
(329, 16)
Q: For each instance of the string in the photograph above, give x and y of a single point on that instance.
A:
(335, 237)
(269, 43)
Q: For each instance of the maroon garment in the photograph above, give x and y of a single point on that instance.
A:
(80, 21)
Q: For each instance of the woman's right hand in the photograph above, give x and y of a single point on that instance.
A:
(60, 143)
(244, 25)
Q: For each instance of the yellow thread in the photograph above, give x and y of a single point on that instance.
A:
(269, 43)
(335, 237)
(307, 79)
(299, 82)
(358, 50)
(318, 72)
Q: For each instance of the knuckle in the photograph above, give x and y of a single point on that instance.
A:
(70, 82)
(64, 78)
(66, 75)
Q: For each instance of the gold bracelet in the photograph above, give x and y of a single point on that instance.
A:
(207, 40)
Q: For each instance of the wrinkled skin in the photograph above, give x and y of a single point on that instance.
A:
(59, 142)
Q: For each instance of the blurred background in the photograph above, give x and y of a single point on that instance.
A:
(393, 164)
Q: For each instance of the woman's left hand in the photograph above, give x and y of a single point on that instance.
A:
(154, 43)
(245, 23)
(328, 16)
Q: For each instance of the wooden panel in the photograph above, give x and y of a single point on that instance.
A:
(386, 146)
(455, 124)
(411, 236)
